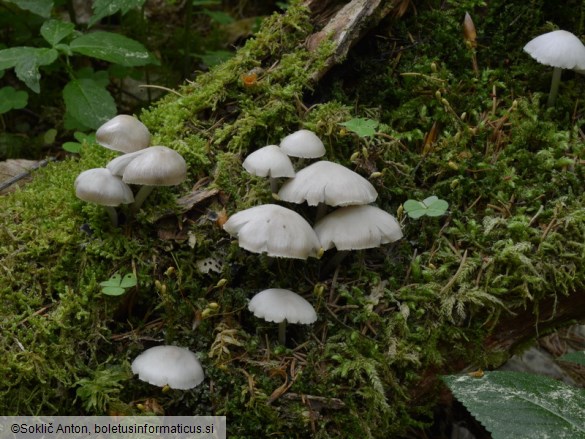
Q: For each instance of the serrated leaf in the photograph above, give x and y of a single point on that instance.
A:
(53, 31)
(12, 99)
(105, 8)
(88, 103)
(518, 405)
(26, 62)
(575, 357)
(113, 48)
(38, 7)
(361, 126)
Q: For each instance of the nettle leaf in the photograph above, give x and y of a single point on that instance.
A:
(53, 31)
(521, 405)
(431, 206)
(88, 102)
(361, 126)
(575, 357)
(38, 7)
(117, 285)
(105, 8)
(12, 99)
(113, 48)
(26, 62)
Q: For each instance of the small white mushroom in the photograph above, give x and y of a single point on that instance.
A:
(269, 161)
(150, 167)
(303, 144)
(172, 366)
(280, 306)
(274, 230)
(101, 187)
(123, 133)
(559, 49)
(356, 228)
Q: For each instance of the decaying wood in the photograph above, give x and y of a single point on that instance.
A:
(344, 25)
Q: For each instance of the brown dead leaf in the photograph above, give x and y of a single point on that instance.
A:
(14, 173)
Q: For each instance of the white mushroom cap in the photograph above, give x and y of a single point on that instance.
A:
(274, 230)
(100, 186)
(176, 367)
(304, 144)
(357, 227)
(156, 166)
(558, 49)
(329, 183)
(269, 161)
(276, 305)
(123, 133)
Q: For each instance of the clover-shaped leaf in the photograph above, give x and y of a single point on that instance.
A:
(361, 126)
(431, 206)
(116, 285)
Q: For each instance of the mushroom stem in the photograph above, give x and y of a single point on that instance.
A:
(273, 185)
(282, 332)
(321, 211)
(554, 86)
(140, 197)
(112, 214)
(334, 262)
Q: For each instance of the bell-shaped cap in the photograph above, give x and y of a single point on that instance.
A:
(274, 230)
(176, 367)
(357, 227)
(269, 161)
(153, 166)
(304, 144)
(123, 133)
(276, 305)
(559, 48)
(101, 187)
(329, 183)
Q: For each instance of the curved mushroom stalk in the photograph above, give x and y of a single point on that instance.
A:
(140, 196)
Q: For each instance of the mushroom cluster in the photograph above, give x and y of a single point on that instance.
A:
(281, 232)
(139, 164)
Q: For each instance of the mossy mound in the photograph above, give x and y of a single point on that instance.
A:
(389, 318)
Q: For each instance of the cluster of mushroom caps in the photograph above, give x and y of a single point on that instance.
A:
(139, 164)
(278, 231)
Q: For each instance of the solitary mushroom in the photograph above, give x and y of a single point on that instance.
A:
(170, 366)
(559, 49)
(327, 183)
(123, 133)
(303, 144)
(101, 187)
(281, 306)
(269, 161)
(150, 167)
(274, 230)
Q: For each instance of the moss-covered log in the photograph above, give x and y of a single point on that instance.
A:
(511, 246)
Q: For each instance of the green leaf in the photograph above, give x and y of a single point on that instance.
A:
(105, 8)
(116, 285)
(38, 7)
(361, 126)
(431, 206)
(12, 99)
(219, 17)
(518, 405)
(575, 357)
(113, 48)
(72, 147)
(55, 30)
(88, 103)
(26, 62)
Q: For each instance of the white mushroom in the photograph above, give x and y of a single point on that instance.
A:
(269, 161)
(304, 144)
(357, 227)
(559, 49)
(123, 133)
(281, 306)
(170, 366)
(101, 187)
(274, 230)
(150, 167)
